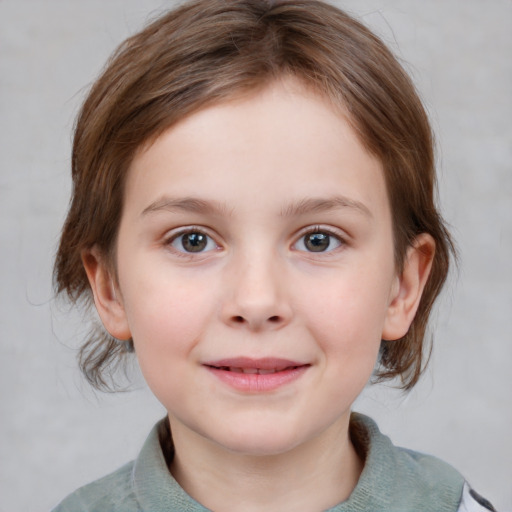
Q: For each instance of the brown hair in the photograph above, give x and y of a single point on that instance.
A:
(207, 51)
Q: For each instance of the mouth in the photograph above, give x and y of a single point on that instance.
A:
(256, 375)
(252, 371)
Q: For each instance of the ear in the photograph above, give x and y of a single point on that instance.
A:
(409, 287)
(107, 297)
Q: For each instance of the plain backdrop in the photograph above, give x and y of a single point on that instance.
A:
(55, 434)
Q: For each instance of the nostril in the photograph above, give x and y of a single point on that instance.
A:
(239, 319)
(273, 319)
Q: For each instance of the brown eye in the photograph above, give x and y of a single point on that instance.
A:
(193, 241)
(318, 241)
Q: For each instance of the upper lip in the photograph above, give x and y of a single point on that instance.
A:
(247, 363)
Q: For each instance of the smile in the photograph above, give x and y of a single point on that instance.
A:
(252, 371)
(256, 375)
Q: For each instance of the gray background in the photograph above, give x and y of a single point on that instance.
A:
(55, 434)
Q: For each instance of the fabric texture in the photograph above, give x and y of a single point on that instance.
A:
(393, 479)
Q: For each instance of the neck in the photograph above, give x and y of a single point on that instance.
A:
(316, 475)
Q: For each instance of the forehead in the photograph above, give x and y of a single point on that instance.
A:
(284, 138)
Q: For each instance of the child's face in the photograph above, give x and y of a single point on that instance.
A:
(256, 234)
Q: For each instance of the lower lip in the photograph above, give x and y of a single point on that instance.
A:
(258, 383)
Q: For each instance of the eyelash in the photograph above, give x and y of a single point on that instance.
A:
(173, 237)
(331, 233)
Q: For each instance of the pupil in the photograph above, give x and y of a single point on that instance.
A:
(194, 242)
(317, 242)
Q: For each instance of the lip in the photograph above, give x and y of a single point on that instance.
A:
(256, 375)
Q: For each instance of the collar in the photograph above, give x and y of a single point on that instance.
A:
(393, 479)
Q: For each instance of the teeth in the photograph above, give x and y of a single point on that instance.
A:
(266, 372)
(252, 371)
(249, 370)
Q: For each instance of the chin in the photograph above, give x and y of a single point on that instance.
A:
(259, 442)
(259, 448)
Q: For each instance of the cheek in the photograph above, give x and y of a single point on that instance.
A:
(346, 317)
(166, 321)
(358, 304)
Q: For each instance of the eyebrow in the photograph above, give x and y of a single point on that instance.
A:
(186, 204)
(319, 205)
(302, 207)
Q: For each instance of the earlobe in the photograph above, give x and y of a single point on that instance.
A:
(107, 298)
(409, 287)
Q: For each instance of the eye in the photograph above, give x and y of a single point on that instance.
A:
(193, 241)
(318, 240)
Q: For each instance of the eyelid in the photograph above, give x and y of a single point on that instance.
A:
(336, 233)
(175, 233)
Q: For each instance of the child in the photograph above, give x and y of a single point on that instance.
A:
(253, 215)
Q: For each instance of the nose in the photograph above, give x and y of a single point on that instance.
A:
(257, 297)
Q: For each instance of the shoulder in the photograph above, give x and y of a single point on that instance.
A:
(432, 470)
(437, 472)
(113, 492)
(145, 484)
(440, 471)
(398, 479)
